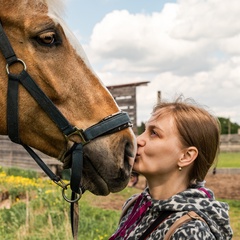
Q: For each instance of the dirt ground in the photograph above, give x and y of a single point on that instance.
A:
(224, 186)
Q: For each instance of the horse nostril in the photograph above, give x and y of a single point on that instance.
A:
(122, 174)
(129, 150)
(128, 156)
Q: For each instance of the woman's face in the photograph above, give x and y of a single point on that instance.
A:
(159, 148)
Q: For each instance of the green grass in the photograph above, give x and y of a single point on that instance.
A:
(39, 212)
(234, 214)
(46, 217)
(21, 172)
(229, 160)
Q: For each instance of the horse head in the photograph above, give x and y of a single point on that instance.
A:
(58, 65)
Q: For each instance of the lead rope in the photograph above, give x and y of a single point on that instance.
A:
(77, 164)
(74, 213)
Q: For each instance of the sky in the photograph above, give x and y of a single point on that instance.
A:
(182, 47)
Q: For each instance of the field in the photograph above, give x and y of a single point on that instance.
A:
(229, 160)
(32, 208)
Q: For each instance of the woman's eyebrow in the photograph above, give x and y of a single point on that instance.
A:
(152, 126)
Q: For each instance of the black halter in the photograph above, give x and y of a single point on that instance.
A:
(108, 125)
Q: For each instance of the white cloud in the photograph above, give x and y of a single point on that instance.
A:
(191, 47)
(213, 19)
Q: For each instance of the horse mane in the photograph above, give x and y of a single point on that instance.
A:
(56, 7)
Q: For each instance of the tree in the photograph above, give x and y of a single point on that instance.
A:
(141, 128)
(227, 127)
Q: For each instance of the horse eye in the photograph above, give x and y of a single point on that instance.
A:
(48, 39)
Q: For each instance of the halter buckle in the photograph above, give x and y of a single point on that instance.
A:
(80, 133)
(61, 183)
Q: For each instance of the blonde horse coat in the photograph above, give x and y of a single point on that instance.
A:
(58, 65)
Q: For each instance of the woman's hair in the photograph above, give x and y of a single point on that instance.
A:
(196, 127)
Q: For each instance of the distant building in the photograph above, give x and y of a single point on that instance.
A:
(125, 96)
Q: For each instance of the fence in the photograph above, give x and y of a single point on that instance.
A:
(230, 143)
(14, 155)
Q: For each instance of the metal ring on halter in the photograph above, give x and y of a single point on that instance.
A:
(78, 195)
(18, 60)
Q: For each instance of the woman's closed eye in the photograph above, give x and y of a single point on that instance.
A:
(153, 132)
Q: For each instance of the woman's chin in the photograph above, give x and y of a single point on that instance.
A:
(135, 165)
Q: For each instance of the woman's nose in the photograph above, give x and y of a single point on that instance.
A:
(140, 140)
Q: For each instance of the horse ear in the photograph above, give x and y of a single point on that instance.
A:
(188, 157)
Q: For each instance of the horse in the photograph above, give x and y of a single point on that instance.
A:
(48, 51)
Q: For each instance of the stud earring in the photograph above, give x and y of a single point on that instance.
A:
(180, 168)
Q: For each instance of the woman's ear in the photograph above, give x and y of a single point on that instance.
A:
(188, 157)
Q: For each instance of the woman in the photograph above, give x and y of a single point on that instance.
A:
(175, 152)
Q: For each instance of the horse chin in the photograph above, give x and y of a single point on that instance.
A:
(106, 167)
(96, 182)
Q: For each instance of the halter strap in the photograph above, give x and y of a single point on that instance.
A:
(6, 48)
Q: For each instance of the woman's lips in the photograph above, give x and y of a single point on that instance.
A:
(137, 156)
